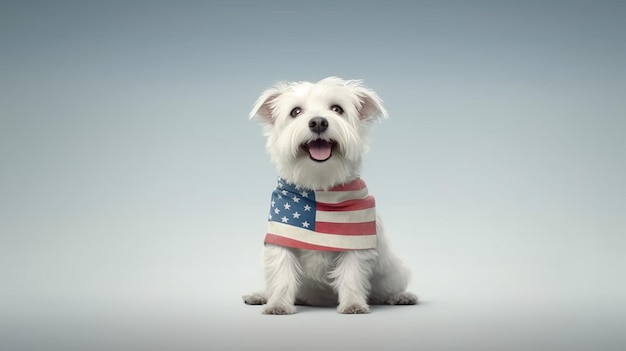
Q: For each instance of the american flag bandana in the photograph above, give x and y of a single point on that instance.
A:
(339, 219)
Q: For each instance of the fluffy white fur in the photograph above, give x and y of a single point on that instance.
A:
(351, 279)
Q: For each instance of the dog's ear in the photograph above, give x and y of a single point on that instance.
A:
(264, 106)
(371, 104)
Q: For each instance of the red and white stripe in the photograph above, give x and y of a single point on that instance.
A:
(345, 220)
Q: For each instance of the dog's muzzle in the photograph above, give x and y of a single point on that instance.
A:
(319, 149)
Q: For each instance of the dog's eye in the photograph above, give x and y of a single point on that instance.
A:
(295, 112)
(336, 109)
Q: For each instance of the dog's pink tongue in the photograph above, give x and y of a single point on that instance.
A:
(320, 150)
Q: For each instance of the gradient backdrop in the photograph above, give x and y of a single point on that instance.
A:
(134, 191)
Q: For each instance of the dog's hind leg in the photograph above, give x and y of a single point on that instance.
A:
(282, 274)
(391, 275)
(257, 298)
(403, 298)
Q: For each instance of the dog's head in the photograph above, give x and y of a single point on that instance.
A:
(316, 132)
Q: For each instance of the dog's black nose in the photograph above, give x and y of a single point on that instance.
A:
(318, 124)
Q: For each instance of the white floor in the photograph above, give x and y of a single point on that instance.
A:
(230, 325)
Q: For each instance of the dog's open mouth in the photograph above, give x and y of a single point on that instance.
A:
(319, 150)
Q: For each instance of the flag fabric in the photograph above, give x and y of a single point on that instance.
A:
(339, 219)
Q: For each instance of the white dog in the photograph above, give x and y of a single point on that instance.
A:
(325, 245)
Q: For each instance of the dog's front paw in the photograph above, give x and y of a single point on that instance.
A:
(354, 308)
(405, 298)
(279, 310)
(255, 299)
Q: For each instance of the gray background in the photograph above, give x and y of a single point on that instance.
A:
(134, 191)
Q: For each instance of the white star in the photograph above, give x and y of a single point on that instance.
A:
(284, 192)
(279, 196)
(305, 224)
(269, 217)
(295, 199)
(296, 215)
(304, 194)
(307, 208)
(276, 210)
(287, 206)
(284, 219)
(280, 185)
(273, 203)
